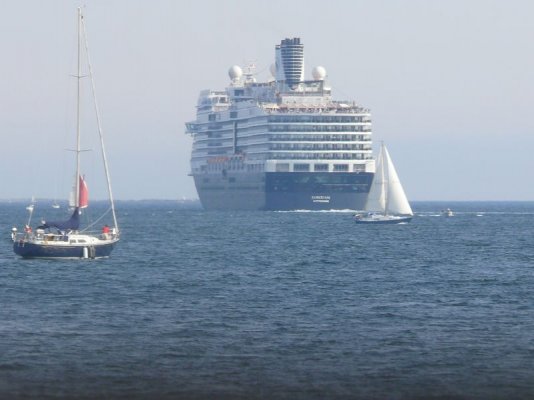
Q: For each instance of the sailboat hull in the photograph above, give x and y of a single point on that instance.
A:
(28, 249)
(382, 219)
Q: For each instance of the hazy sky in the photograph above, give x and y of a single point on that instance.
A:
(450, 85)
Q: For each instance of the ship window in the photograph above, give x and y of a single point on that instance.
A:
(321, 167)
(282, 167)
(341, 167)
(301, 167)
(358, 167)
(212, 117)
(239, 92)
(233, 114)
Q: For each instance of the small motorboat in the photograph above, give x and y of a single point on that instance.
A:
(447, 212)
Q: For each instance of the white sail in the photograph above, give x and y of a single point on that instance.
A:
(396, 202)
(386, 194)
(376, 200)
(72, 195)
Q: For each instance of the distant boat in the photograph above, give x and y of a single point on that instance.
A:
(31, 206)
(387, 203)
(64, 239)
(55, 205)
(447, 212)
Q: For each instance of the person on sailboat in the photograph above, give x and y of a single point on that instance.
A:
(105, 232)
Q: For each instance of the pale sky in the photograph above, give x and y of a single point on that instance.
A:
(450, 85)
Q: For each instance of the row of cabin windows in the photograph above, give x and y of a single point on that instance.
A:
(319, 156)
(303, 118)
(319, 128)
(318, 167)
(318, 146)
(223, 166)
(292, 128)
(303, 138)
(318, 118)
(321, 138)
(311, 156)
(232, 167)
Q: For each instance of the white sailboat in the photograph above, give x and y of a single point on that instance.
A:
(65, 239)
(387, 203)
(31, 206)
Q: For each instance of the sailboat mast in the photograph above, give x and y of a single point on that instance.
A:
(385, 179)
(78, 76)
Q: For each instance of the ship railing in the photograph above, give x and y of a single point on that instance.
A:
(284, 109)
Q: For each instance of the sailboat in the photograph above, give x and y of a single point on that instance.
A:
(31, 206)
(65, 239)
(387, 202)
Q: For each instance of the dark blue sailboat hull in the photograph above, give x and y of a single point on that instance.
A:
(33, 250)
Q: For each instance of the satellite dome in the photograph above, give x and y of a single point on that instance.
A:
(319, 73)
(235, 72)
(272, 69)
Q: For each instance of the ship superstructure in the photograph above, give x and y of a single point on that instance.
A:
(284, 144)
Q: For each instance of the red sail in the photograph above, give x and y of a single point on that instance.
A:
(84, 194)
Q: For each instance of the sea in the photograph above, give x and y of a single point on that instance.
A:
(195, 304)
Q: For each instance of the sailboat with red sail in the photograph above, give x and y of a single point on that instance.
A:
(66, 238)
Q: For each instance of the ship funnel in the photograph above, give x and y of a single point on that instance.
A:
(290, 62)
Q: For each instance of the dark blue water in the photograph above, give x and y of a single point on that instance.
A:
(277, 305)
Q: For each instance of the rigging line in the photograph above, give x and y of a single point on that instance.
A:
(99, 124)
(97, 220)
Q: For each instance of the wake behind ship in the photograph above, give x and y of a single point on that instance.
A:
(284, 144)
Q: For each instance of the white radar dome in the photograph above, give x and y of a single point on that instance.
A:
(235, 72)
(319, 73)
(272, 69)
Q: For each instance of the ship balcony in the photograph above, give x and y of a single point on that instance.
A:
(192, 127)
(302, 146)
(319, 127)
(215, 126)
(317, 138)
(318, 156)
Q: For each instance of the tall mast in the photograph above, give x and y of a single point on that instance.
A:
(78, 76)
(385, 171)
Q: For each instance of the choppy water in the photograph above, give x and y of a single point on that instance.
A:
(277, 305)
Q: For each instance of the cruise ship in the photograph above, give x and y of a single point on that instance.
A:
(284, 144)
